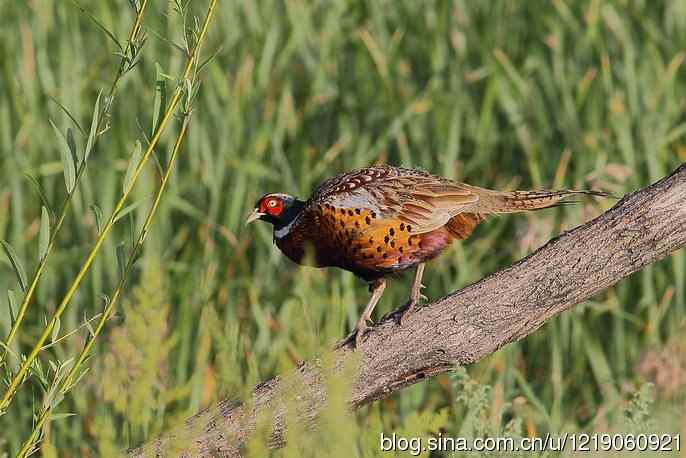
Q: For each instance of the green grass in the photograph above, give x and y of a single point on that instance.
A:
(500, 94)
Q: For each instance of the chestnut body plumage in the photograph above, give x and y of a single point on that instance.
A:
(380, 220)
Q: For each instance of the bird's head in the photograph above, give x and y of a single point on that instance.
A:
(277, 209)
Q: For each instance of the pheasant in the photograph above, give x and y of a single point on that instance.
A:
(381, 220)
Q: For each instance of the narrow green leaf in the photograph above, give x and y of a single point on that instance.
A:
(44, 233)
(73, 119)
(12, 300)
(37, 370)
(87, 323)
(16, 264)
(160, 102)
(183, 50)
(100, 26)
(98, 216)
(67, 159)
(189, 94)
(72, 145)
(56, 330)
(59, 396)
(78, 379)
(60, 416)
(94, 128)
(137, 254)
(7, 349)
(133, 165)
(65, 366)
(41, 193)
(121, 258)
(105, 299)
(132, 230)
(212, 57)
(90, 329)
(126, 210)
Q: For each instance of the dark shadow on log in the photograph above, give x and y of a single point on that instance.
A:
(465, 326)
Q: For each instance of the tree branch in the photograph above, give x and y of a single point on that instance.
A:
(461, 328)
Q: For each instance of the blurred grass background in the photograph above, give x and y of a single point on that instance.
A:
(498, 93)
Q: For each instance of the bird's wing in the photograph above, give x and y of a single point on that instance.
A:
(419, 199)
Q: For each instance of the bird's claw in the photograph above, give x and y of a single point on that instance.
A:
(345, 341)
(356, 336)
(406, 311)
(359, 334)
(408, 308)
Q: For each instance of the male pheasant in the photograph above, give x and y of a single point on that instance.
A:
(377, 221)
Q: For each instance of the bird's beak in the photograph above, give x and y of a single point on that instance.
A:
(255, 215)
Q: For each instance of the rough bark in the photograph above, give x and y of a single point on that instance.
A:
(463, 327)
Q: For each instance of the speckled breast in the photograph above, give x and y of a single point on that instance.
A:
(359, 240)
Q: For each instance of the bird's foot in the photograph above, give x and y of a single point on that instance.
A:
(355, 336)
(409, 308)
(346, 340)
(406, 311)
(360, 332)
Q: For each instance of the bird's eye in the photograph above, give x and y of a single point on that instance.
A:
(272, 203)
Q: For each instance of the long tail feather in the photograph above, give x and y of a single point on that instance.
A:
(517, 201)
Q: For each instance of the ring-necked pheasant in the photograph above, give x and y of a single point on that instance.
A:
(381, 220)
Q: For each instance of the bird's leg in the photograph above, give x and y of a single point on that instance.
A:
(415, 293)
(376, 289)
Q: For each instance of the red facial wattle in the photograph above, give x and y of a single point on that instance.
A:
(271, 206)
